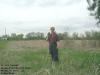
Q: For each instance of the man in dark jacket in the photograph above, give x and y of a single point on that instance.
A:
(53, 38)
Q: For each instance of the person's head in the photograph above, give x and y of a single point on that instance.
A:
(52, 29)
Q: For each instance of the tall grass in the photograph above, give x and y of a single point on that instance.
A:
(3, 44)
(72, 62)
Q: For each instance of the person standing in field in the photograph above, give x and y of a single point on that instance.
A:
(52, 38)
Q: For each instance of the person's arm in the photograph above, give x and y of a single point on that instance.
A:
(47, 37)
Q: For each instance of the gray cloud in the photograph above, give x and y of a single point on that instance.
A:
(23, 16)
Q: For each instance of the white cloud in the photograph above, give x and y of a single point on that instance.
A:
(38, 2)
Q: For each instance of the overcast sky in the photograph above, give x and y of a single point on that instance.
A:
(23, 16)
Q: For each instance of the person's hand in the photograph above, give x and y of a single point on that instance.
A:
(46, 38)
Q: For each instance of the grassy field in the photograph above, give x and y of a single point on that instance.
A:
(72, 61)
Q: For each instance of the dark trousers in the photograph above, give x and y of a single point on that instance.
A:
(53, 50)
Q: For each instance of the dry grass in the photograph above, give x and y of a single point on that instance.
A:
(38, 44)
(72, 61)
(22, 45)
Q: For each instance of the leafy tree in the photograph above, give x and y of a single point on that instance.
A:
(88, 35)
(95, 35)
(94, 6)
(35, 36)
(30, 36)
(82, 36)
(75, 36)
(19, 37)
(39, 35)
(61, 36)
(13, 36)
(66, 35)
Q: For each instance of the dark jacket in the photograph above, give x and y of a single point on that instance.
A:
(53, 38)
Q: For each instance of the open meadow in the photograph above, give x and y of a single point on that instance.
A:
(33, 59)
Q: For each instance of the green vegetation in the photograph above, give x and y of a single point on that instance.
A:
(72, 62)
(88, 35)
(94, 6)
(3, 44)
(28, 36)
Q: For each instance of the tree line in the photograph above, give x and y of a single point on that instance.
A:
(88, 35)
(28, 36)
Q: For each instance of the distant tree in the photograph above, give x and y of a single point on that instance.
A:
(35, 36)
(13, 36)
(95, 35)
(82, 36)
(61, 36)
(88, 35)
(39, 35)
(75, 36)
(30, 36)
(19, 37)
(66, 35)
(42, 36)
